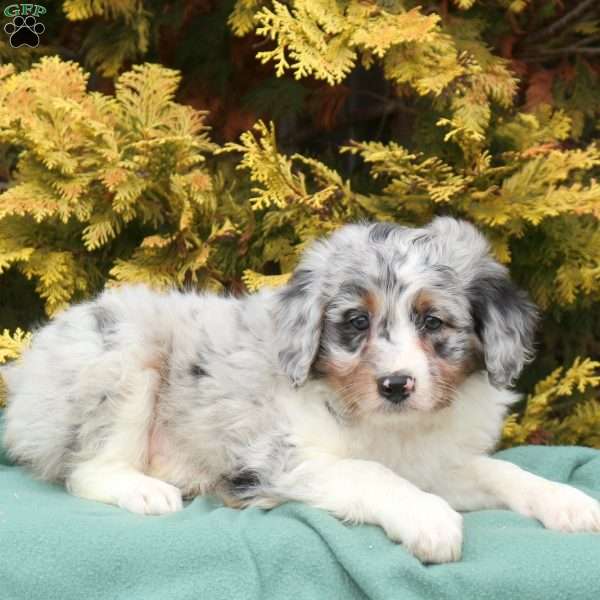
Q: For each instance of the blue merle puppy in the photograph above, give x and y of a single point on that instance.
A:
(372, 385)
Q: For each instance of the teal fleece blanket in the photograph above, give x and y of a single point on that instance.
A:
(57, 547)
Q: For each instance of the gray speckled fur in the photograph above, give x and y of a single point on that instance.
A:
(221, 362)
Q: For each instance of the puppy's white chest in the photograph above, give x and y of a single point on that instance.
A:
(417, 455)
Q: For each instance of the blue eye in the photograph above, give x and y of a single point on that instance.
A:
(360, 322)
(432, 323)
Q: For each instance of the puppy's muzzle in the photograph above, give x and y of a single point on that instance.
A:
(396, 387)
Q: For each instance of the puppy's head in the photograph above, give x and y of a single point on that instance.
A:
(396, 318)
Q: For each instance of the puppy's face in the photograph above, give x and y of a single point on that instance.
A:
(395, 319)
(399, 339)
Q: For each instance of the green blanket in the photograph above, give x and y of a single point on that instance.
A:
(57, 547)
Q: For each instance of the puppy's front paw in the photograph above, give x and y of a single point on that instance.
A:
(565, 508)
(432, 531)
(149, 496)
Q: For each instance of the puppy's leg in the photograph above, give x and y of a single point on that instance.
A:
(362, 491)
(490, 483)
(118, 483)
(111, 463)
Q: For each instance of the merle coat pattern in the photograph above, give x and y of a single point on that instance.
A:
(372, 385)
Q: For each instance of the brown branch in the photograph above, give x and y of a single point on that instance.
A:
(366, 114)
(587, 41)
(556, 52)
(563, 22)
(574, 50)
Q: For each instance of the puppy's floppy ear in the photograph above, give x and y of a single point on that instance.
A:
(504, 321)
(504, 316)
(299, 312)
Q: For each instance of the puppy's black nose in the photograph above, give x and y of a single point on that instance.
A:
(396, 388)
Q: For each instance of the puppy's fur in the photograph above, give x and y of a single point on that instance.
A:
(138, 398)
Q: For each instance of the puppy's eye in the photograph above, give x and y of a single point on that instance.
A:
(360, 322)
(432, 323)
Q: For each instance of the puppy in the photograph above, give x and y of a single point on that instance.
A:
(372, 386)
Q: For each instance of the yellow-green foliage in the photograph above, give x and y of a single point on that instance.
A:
(523, 191)
(542, 421)
(92, 170)
(322, 37)
(325, 39)
(84, 9)
(123, 35)
(11, 347)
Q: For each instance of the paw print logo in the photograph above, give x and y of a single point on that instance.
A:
(24, 31)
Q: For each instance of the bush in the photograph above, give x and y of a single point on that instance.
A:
(322, 112)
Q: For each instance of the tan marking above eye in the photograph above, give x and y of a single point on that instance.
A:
(371, 303)
(423, 303)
